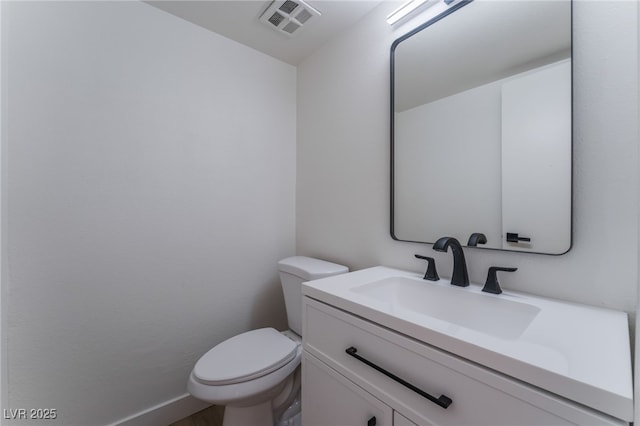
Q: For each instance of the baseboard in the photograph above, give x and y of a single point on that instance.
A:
(165, 413)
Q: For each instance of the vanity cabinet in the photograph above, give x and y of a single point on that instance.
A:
(342, 389)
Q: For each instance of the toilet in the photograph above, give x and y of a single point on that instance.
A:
(255, 374)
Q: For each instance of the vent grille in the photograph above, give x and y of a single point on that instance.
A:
(303, 16)
(276, 18)
(288, 16)
(288, 6)
(290, 27)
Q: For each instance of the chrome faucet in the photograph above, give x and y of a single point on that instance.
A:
(460, 277)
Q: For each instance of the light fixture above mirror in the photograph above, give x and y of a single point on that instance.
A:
(409, 9)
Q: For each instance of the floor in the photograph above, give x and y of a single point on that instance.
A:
(211, 416)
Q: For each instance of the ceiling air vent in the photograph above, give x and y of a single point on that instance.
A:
(288, 16)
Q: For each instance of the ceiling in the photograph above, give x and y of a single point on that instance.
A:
(239, 21)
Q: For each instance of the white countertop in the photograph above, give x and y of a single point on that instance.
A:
(579, 352)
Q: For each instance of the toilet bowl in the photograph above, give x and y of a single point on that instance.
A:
(256, 374)
(248, 373)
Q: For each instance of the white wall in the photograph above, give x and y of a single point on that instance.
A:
(150, 188)
(3, 251)
(343, 162)
(636, 382)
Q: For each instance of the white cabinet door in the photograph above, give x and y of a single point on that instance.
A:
(400, 420)
(329, 399)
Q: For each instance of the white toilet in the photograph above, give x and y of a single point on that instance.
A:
(255, 374)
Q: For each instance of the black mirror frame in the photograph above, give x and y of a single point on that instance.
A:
(394, 45)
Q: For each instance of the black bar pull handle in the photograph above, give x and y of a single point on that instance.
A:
(372, 421)
(443, 400)
(513, 237)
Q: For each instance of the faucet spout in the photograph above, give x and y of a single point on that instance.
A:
(460, 277)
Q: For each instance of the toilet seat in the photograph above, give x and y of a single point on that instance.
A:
(245, 357)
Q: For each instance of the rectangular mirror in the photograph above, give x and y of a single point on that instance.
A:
(481, 126)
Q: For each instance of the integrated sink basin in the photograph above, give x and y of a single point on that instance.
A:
(498, 316)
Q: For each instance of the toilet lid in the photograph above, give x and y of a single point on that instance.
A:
(244, 357)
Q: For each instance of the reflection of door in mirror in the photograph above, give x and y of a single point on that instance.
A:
(482, 127)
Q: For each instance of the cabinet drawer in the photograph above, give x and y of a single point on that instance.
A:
(478, 396)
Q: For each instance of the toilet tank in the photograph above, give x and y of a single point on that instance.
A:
(293, 272)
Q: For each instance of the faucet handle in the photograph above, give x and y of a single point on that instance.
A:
(431, 274)
(477, 238)
(492, 285)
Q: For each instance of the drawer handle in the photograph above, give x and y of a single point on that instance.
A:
(443, 400)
